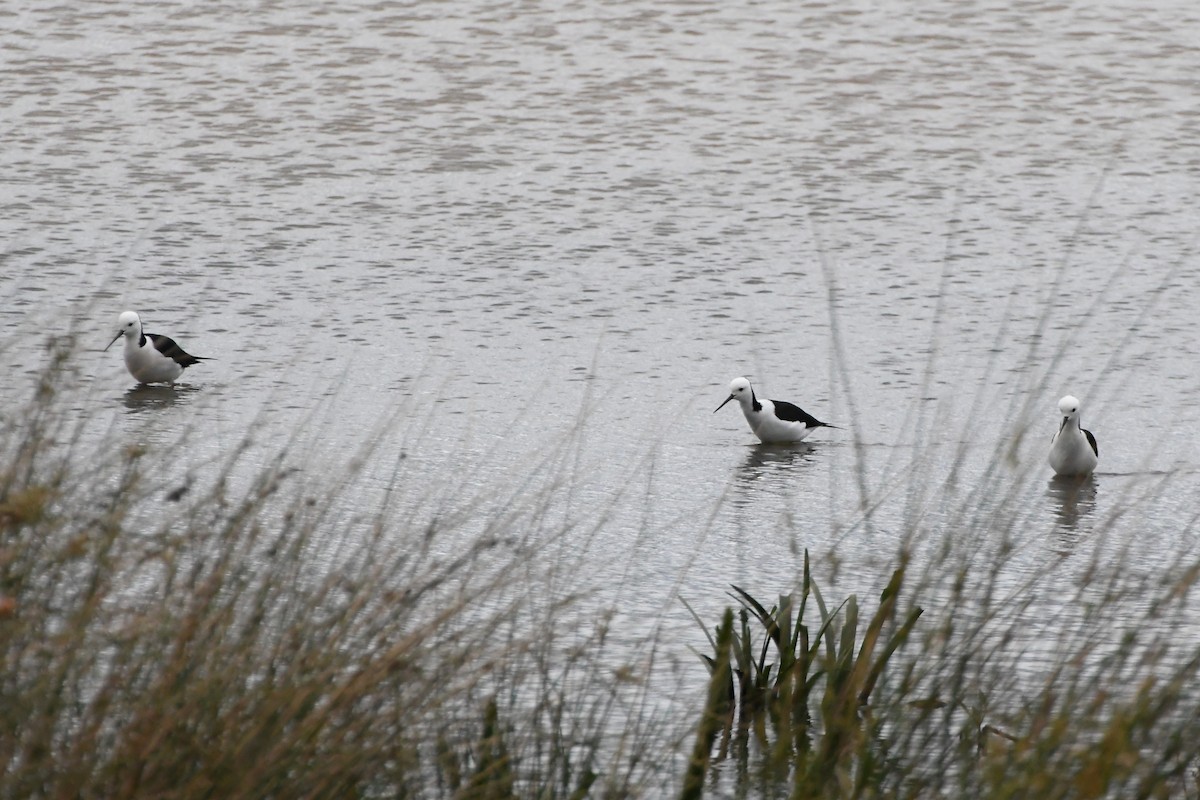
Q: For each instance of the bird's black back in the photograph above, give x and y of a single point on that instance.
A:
(167, 346)
(793, 413)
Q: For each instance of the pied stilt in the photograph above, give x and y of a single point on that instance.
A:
(150, 357)
(773, 421)
(1073, 450)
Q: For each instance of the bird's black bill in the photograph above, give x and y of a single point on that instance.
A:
(1064, 424)
(718, 408)
(110, 344)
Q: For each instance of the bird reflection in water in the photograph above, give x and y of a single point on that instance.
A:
(147, 397)
(766, 460)
(1073, 498)
(771, 456)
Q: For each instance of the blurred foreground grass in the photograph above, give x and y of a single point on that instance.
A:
(241, 636)
(180, 643)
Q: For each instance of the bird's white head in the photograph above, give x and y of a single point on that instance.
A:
(128, 324)
(739, 389)
(1069, 406)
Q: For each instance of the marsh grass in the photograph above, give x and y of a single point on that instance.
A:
(243, 633)
(1005, 656)
(210, 640)
(813, 703)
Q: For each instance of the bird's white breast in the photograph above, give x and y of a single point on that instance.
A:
(147, 364)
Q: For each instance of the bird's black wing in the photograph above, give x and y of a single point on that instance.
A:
(1092, 441)
(167, 346)
(793, 413)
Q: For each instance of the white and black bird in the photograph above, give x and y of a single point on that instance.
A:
(773, 421)
(1073, 450)
(151, 357)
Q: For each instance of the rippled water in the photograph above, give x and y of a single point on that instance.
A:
(516, 223)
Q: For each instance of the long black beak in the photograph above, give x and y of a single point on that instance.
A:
(110, 344)
(1064, 424)
(718, 408)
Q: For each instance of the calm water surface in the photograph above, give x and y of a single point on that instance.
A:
(536, 228)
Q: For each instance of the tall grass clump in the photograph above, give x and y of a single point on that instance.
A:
(794, 684)
(241, 634)
(812, 703)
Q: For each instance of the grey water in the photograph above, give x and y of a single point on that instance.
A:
(484, 235)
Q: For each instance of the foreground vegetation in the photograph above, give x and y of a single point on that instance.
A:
(243, 636)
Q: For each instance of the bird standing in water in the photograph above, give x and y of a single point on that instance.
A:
(150, 357)
(1073, 450)
(773, 421)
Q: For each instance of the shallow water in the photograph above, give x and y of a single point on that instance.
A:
(520, 226)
